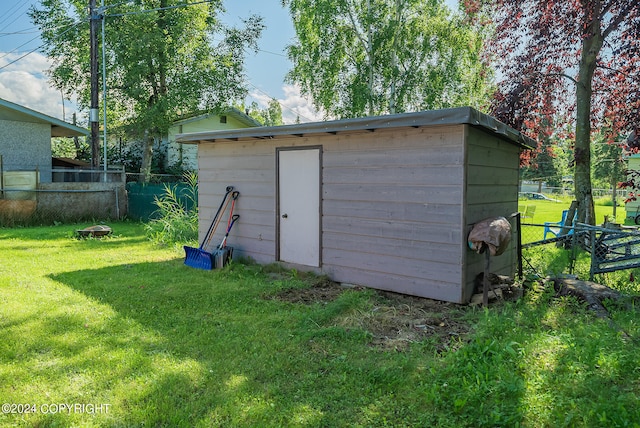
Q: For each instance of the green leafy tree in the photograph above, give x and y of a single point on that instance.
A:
(609, 166)
(368, 57)
(269, 116)
(161, 59)
(542, 167)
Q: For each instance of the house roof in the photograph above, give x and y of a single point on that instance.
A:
(452, 116)
(18, 113)
(241, 117)
(69, 163)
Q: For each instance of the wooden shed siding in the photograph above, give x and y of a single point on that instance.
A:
(492, 190)
(249, 167)
(409, 211)
(392, 210)
(398, 283)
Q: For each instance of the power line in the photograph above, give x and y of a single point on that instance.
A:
(20, 32)
(102, 10)
(26, 43)
(71, 26)
(267, 94)
(9, 13)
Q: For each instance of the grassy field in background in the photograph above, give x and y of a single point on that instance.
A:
(549, 211)
(123, 323)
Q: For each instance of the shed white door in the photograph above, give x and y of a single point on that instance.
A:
(299, 206)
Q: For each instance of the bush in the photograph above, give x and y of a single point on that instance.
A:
(176, 223)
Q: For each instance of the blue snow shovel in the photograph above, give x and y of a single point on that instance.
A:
(197, 257)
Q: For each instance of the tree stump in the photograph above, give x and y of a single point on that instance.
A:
(590, 292)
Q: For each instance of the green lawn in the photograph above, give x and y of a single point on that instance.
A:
(548, 211)
(119, 333)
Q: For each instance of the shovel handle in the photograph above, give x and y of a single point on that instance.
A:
(224, 240)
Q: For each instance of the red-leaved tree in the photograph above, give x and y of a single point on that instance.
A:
(566, 64)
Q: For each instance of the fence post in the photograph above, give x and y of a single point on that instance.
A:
(519, 243)
(117, 203)
(574, 249)
(592, 237)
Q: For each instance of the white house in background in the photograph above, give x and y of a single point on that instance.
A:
(187, 154)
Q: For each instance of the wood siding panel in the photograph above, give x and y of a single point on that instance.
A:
(250, 169)
(500, 176)
(492, 190)
(397, 175)
(421, 250)
(424, 287)
(386, 194)
(414, 212)
(436, 233)
(392, 210)
(388, 264)
(411, 156)
(482, 195)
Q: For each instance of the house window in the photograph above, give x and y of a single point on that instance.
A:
(223, 119)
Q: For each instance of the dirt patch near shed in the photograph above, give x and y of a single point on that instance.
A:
(321, 291)
(395, 321)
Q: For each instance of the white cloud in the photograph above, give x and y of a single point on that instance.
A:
(24, 82)
(294, 105)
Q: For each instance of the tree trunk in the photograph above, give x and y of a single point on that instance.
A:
(147, 156)
(370, 84)
(591, 45)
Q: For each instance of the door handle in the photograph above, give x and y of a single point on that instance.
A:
(284, 216)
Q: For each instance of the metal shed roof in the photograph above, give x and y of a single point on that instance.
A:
(18, 113)
(452, 116)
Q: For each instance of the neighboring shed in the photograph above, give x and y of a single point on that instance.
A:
(187, 156)
(385, 202)
(25, 138)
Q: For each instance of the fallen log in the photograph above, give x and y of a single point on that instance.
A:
(588, 291)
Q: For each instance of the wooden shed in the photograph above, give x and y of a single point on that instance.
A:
(385, 202)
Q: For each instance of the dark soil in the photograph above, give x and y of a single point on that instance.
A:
(394, 320)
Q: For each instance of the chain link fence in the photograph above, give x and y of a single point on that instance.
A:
(582, 250)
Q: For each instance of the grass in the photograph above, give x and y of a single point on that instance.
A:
(549, 211)
(549, 260)
(123, 323)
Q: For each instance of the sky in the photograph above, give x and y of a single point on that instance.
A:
(25, 82)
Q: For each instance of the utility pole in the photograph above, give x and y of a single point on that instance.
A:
(94, 108)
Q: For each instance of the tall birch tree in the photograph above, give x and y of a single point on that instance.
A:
(369, 57)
